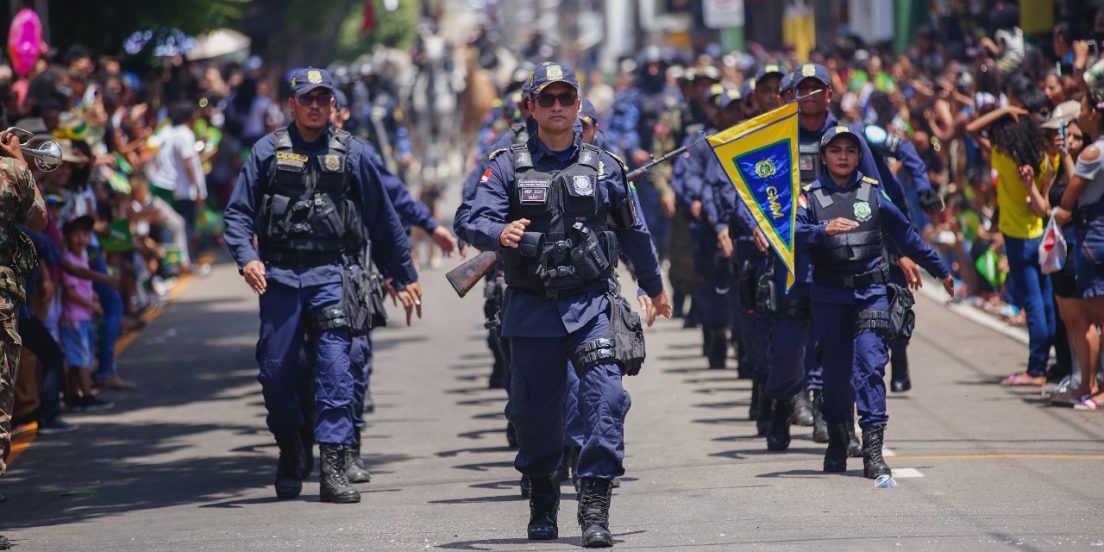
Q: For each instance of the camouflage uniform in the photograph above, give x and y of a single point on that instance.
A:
(18, 204)
(669, 135)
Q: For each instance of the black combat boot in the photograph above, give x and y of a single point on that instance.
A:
(899, 367)
(802, 410)
(525, 485)
(594, 504)
(873, 463)
(544, 505)
(854, 446)
(766, 405)
(718, 349)
(289, 470)
(778, 434)
(306, 436)
(820, 429)
(753, 409)
(357, 472)
(835, 457)
(335, 486)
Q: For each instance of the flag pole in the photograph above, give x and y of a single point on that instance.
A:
(643, 169)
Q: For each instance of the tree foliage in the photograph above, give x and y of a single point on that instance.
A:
(397, 27)
(103, 25)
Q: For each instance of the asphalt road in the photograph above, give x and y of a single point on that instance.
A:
(185, 462)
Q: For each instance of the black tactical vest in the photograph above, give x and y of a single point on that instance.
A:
(568, 247)
(808, 161)
(521, 132)
(308, 213)
(860, 205)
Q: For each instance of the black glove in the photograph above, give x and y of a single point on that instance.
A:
(930, 201)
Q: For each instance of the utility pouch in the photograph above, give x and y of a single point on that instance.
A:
(354, 300)
(531, 244)
(902, 320)
(628, 335)
(587, 256)
(767, 299)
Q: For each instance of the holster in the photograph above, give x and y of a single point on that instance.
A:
(902, 320)
(623, 343)
(627, 334)
(376, 296)
(354, 308)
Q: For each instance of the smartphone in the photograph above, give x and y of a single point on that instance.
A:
(1062, 133)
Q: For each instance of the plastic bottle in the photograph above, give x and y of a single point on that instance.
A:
(885, 482)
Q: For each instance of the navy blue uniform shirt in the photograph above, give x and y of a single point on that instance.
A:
(526, 314)
(895, 226)
(390, 245)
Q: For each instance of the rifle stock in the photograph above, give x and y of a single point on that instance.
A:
(465, 276)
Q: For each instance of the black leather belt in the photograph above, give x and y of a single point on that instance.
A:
(852, 281)
(301, 258)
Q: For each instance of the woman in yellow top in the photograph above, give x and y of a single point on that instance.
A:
(1024, 176)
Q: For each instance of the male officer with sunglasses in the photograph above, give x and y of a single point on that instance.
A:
(560, 210)
(311, 197)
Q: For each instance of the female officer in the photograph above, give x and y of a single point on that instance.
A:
(841, 219)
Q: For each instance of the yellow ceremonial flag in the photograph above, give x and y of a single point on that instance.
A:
(759, 157)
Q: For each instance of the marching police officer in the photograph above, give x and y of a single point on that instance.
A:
(559, 210)
(412, 213)
(311, 197)
(841, 220)
(811, 83)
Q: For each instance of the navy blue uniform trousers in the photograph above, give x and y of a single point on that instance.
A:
(539, 386)
(854, 364)
(285, 312)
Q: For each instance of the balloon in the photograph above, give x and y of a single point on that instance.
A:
(25, 41)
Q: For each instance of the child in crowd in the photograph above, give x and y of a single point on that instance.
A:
(79, 304)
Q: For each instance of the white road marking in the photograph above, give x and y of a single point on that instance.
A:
(906, 473)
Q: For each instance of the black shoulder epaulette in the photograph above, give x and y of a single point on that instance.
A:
(624, 165)
(283, 139)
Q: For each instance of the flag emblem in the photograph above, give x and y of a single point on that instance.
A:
(764, 168)
(759, 157)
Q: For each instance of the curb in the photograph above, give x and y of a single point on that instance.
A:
(24, 435)
(933, 291)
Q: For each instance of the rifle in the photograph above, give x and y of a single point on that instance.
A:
(465, 276)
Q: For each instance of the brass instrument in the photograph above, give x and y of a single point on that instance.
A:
(45, 152)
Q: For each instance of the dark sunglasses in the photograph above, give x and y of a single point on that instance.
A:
(320, 100)
(566, 99)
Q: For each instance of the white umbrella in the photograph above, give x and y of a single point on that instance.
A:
(218, 43)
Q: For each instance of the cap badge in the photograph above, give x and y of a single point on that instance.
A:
(554, 72)
(808, 70)
(314, 77)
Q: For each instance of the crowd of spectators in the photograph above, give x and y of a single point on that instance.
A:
(993, 114)
(150, 154)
